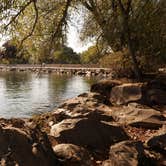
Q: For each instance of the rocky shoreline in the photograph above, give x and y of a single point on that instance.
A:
(116, 124)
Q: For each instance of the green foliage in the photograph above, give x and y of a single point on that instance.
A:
(90, 56)
(4, 61)
(65, 55)
(120, 62)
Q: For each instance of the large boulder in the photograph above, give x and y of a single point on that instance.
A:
(125, 93)
(73, 155)
(92, 131)
(150, 93)
(137, 115)
(127, 153)
(24, 147)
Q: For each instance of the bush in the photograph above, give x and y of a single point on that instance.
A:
(119, 62)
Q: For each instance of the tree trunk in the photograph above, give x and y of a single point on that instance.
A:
(137, 70)
(131, 47)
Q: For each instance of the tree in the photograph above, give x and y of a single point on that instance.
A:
(94, 53)
(35, 26)
(65, 55)
(10, 50)
(124, 23)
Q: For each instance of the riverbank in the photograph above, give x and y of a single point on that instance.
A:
(117, 123)
(69, 69)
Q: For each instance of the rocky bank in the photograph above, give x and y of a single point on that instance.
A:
(116, 124)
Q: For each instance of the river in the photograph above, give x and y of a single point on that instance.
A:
(23, 94)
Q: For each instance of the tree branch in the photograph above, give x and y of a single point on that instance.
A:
(17, 15)
(61, 22)
(87, 5)
(121, 7)
(34, 25)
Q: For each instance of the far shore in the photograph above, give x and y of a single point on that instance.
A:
(54, 65)
(70, 69)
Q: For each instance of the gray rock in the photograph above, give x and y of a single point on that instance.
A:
(125, 93)
(92, 131)
(138, 116)
(73, 155)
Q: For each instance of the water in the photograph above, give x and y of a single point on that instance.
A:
(24, 94)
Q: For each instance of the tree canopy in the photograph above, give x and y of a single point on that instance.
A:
(40, 26)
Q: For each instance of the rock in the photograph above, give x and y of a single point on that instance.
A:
(138, 116)
(104, 87)
(81, 73)
(127, 153)
(158, 141)
(125, 93)
(88, 74)
(81, 106)
(73, 155)
(156, 96)
(150, 93)
(25, 147)
(92, 131)
(162, 70)
(154, 92)
(156, 84)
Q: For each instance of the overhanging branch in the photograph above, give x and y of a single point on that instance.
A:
(18, 14)
(34, 25)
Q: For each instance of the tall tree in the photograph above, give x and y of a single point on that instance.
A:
(125, 23)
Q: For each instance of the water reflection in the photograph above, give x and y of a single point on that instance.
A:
(25, 94)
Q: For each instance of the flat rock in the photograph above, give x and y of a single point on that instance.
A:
(138, 116)
(92, 131)
(72, 155)
(88, 99)
(81, 106)
(125, 93)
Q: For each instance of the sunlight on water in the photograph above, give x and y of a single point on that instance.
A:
(25, 94)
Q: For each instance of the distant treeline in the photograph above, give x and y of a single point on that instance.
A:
(10, 54)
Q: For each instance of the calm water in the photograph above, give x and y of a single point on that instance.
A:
(25, 94)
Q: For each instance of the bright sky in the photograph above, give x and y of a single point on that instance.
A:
(74, 41)
(3, 39)
(75, 26)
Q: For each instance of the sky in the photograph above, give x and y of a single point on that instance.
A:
(74, 29)
(74, 41)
